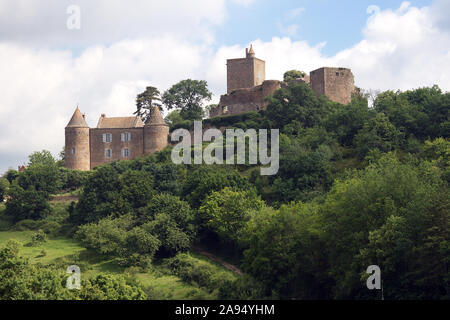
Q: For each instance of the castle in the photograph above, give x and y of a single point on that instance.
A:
(247, 87)
(128, 137)
(113, 139)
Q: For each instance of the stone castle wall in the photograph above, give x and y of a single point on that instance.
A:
(245, 100)
(98, 147)
(337, 84)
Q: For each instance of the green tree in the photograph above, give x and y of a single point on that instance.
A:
(226, 212)
(202, 181)
(285, 252)
(174, 117)
(4, 185)
(11, 175)
(297, 102)
(293, 75)
(146, 101)
(188, 96)
(136, 188)
(304, 173)
(111, 287)
(27, 203)
(422, 113)
(42, 173)
(377, 133)
(20, 280)
(108, 236)
(363, 203)
(100, 197)
(347, 120)
(42, 158)
(169, 219)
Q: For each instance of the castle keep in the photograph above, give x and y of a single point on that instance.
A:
(247, 87)
(113, 139)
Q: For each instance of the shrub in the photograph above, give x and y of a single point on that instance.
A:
(39, 237)
(198, 272)
(26, 225)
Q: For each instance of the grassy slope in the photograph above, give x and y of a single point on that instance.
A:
(67, 251)
(64, 251)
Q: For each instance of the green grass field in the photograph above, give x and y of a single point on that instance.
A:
(64, 251)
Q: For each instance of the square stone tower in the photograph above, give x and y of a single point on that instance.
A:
(245, 72)
(338, 84)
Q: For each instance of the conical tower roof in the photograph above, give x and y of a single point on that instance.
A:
(156, 118)
(77, 120)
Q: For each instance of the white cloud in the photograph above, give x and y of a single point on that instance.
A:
(401, 49)
(290, 30)
(106, 21)
(294, 13)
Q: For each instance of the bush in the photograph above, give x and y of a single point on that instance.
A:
(26, 225)
(198, 272)
(243, 288)
(37, 238)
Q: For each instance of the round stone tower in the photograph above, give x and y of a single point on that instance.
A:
(77, 143)
(156, 133)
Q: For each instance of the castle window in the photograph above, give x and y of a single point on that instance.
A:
(125, 136)
(225, 109)
(73, 150)
(107, 137)
(337, 74)
(108, 153)
(125, 153)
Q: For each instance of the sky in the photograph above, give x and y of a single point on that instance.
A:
(48, 67)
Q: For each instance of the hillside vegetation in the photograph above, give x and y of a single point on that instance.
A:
(357, 186)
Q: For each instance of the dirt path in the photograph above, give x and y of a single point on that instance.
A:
(64, 199)
(224, 264)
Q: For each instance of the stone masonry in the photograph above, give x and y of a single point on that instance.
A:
(113, 139)
(247, 87)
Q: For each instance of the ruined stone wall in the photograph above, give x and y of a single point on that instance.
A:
(98, 147)
(317, 81)
(336, 83)
(77, 140)
(245, 100)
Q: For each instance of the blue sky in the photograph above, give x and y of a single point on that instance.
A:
(338, 23)
(124, 46)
